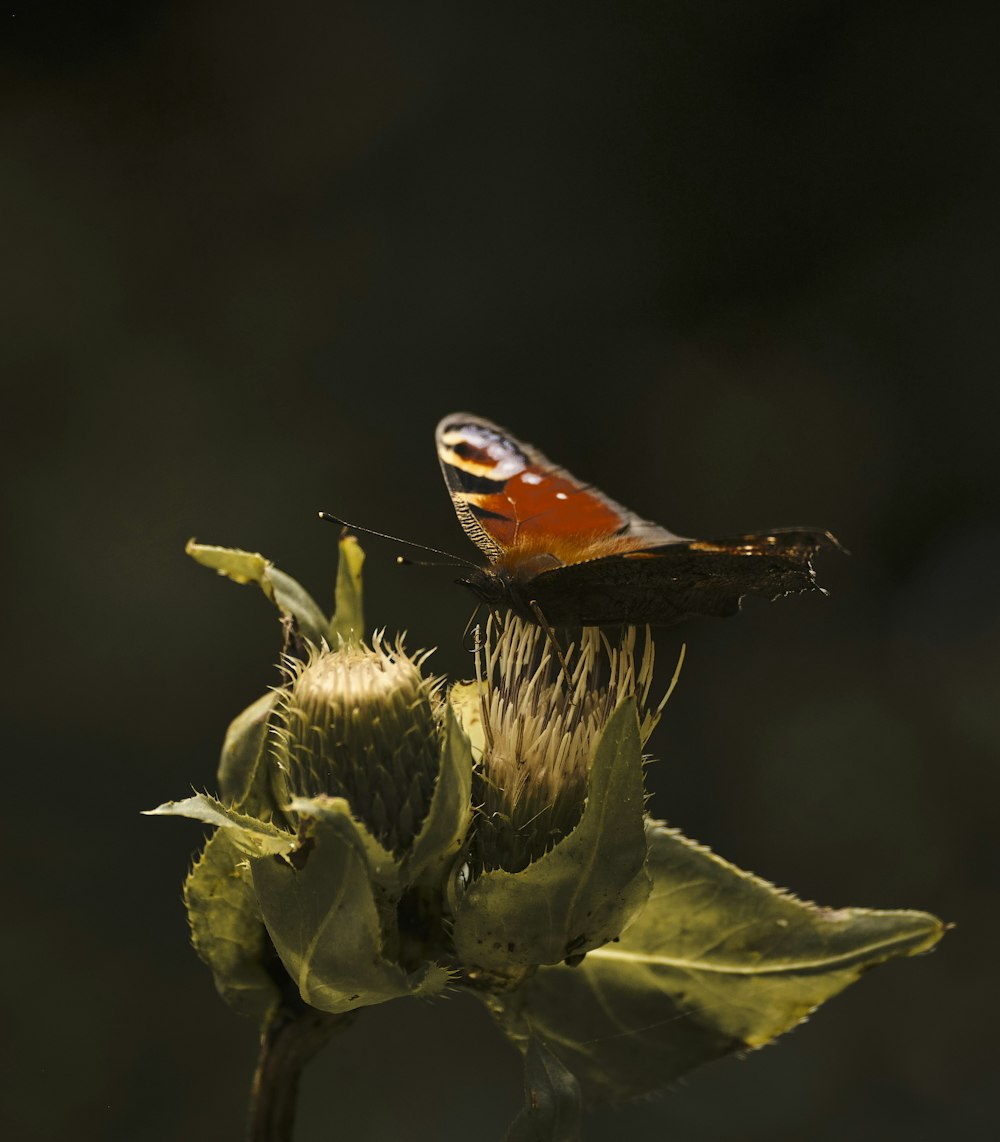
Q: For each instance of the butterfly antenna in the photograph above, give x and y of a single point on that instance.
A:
(403, 561)
(455, 560)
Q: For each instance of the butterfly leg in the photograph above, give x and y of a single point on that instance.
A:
(550, 634)
(471, 626)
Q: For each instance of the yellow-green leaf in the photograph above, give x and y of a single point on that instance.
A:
(253, 837)
(348, 622)
(717, 961)
(465, 699)
(287, 594)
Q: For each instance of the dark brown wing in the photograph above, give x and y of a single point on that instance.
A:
(668, 583)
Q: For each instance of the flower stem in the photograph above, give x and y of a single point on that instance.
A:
(292, 1035)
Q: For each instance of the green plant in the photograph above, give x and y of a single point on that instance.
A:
(380, 836)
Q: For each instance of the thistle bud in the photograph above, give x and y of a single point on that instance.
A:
(335, 838)
(557, 862)
(543, 713)
(362, 723)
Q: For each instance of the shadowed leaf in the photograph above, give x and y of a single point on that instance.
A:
(717, 961)
(323, 920)
(243, 781)
(551, 1096)
(447, 820)
(552, 1100)
(335, 812)
(226, 928)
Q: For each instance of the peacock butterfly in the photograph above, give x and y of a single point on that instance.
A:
(562, 553)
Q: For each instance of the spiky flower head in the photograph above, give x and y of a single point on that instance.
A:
(362, 723)
(543, 711)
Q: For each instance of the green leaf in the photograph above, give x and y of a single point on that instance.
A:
(251, 836)
(718, 961)
(348, 622)
(243, 781)
(552, 1100)
(383, 866)
(465, 699)
(324, 924)
(583, 891)
(226, 928)
(447, 821)
(289, 596)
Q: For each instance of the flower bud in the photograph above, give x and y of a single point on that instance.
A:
(557, 860)
(543, 713)
(362, 723)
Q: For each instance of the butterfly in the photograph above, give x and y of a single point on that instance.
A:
(561, 553)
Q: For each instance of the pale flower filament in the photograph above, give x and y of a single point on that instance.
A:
(542, 716)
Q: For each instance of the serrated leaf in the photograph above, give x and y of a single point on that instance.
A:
(243, 781)
(447, 821)
(226, 928)
(287, 594)
(583, 891)
(348, 622)
(552, 1100)
(717, 961)
(324, 924)
(383, 866)
(253, 837)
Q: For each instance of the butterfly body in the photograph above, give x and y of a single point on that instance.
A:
(563, 553)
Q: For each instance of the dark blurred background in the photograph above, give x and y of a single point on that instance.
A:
(736, 263)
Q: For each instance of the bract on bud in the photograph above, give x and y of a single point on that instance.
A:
(362, 724)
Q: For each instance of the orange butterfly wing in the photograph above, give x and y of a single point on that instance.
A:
(516, 505)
